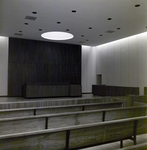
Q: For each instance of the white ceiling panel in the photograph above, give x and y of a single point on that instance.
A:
(89, 23)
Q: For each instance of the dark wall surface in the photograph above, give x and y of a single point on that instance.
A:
(104, 90)
(42, 62)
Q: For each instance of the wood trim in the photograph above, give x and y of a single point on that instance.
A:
(65, 106)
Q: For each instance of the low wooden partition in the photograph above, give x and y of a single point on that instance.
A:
(21, 112)
(76, 137)
(142, 146)
(40, 122)
(139, 98)
(104, 90)
(139, 104)
(145, 90)
(47, 90)
(54, 102)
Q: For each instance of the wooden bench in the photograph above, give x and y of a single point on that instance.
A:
(76, 137)
(40, 122)
(21, 112)
(142, 146)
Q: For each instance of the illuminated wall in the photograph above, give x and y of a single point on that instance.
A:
(121, 63)
(3, 65)
(88, 68)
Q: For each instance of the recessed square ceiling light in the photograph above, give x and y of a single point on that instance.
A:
(110, 31)
(19, 34)
(30, 18)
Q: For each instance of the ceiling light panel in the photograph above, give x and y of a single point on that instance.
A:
(57, 35)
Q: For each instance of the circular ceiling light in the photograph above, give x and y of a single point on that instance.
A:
(57, 35)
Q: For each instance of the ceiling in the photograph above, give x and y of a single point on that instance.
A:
(92, 22)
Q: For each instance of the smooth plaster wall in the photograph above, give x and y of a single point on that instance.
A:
(88, 68)
(3, 66)
(121, 63)
(124, 62)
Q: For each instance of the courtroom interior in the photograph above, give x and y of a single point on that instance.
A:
(73, 75)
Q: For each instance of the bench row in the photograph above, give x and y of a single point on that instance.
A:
(76, 137)
(40, 122)
(8, 113)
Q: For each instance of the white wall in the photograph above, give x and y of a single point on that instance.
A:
(121, 63)
(3, 66)
(88, 68)
(142, 61)
(124, 62)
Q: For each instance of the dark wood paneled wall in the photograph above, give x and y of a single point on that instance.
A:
(42, 62)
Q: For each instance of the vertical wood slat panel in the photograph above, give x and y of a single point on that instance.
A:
(42, 62)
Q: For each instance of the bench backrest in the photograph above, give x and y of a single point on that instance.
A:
(75, 137)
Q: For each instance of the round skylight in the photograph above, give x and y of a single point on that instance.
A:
(57, 35)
